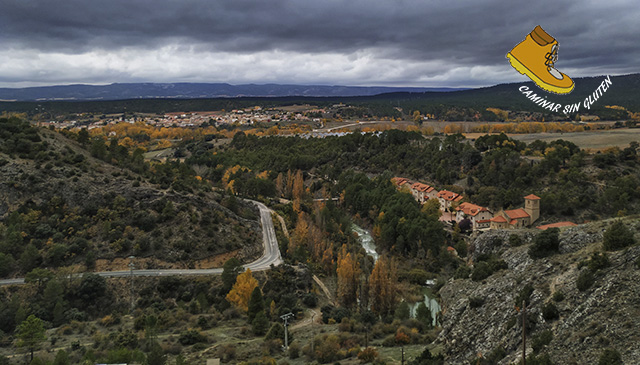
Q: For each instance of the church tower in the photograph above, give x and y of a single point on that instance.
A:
(532, 207)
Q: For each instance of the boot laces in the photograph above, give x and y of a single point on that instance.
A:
(551, 57)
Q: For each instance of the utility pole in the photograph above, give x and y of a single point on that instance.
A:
(285, 318)
(524, 333)
(131, 267)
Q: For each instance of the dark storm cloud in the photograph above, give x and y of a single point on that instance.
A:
(442, 34)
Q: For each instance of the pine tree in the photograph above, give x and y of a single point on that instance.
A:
(617, 236)
(230, 272)
(260, 324)
(242, 289)
(423, 314)
(256, 304)
(31, 333)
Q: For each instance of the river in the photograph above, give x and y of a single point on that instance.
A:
(370, 247)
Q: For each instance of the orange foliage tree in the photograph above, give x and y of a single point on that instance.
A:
(348, 273)
(241, 291)
(382, 286)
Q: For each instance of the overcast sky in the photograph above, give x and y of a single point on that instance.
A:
(430, 43)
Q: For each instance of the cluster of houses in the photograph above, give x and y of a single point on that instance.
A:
(481, 218)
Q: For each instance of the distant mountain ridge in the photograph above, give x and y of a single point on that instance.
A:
(121, 91)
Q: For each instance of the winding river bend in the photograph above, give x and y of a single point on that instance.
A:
(369, 246)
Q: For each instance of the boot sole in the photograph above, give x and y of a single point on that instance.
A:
(541, 84)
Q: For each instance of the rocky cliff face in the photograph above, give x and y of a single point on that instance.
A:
(481, 317)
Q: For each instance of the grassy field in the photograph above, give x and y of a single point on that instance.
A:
(596, 140)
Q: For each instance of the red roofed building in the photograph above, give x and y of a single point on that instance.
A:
(556, 225)
(518, 218)
(499, 222)
(479, 216)
(423, 192)
(446, 198)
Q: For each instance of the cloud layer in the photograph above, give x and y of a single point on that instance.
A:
(358, 42)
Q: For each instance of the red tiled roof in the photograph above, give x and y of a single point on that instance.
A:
(513, 222)
(532, 197)
(516, 213)
(421, 187)
(484, 220)
(470, 209)
(449, 195)
(556, 225)
(498, 219)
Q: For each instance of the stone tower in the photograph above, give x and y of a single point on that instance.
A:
(532, 207)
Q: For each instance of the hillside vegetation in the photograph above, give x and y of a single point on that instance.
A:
(59, 207)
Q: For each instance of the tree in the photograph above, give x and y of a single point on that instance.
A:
(260, 324)
(256, 304)
(230, 272)
(348, 272)
(423, 314)
(382, 286)
(610, 357)
(30, 258)
(432, 208)
(31, 333)
(156, 355)
(83, 137)
(7, 264)
(545, 243)
(617, 236)
(62, 357)
(403, 311)
(38, 276)
(242, 289)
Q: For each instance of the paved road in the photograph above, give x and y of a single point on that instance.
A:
(270, 256)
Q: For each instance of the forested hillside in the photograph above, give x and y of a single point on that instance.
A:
(60, 207)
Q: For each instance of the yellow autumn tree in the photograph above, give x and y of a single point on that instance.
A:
(382, 286)
(241, 291)
(348, 273)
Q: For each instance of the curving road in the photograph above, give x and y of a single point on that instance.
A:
(271, 256)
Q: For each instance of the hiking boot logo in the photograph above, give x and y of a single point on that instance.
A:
(535, 57)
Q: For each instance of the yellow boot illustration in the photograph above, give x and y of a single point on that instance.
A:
(535, 57)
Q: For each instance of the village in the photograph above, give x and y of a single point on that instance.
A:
(236, 117)
(477, 218)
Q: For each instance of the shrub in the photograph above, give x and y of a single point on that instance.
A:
(310, 300)
(462, 272)
(481, 271)
(515, 240)
(476, 302)
(549, 311)
(546, 243)
(617, 236)
(558, 296)
(585, 280)
(367, 355)
(539, 360)
(541, 340)
(190, 337)
(524, 295)
(275, 332)
(610, 357)
(294, 350)
(597, 262)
